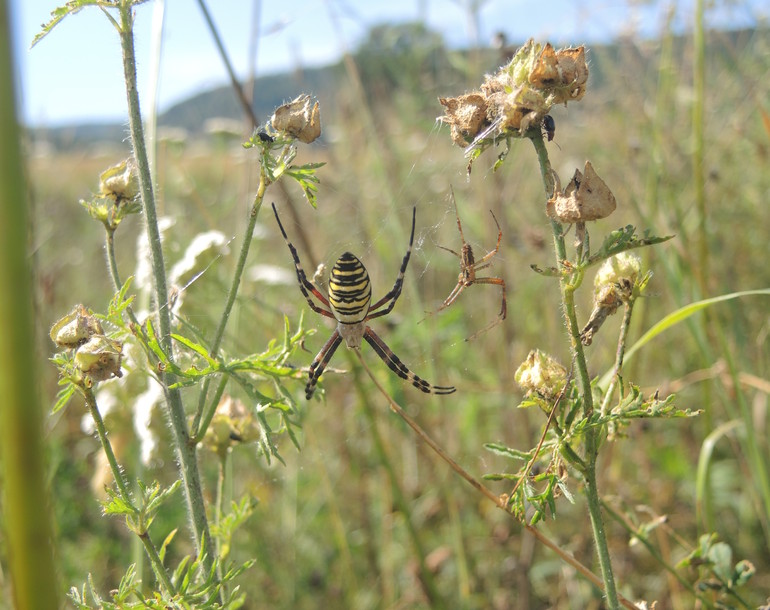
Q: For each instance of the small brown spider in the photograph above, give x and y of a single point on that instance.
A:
(469, 267)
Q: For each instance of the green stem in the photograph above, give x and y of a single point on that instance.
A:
(628, 309)
(199, 431)
(568, 285)
(185, 451)
(122, 483)
(101, 431)
(117, 284)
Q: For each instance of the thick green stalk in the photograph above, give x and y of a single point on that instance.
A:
(568, 285)
(185, 451)
(27, 521)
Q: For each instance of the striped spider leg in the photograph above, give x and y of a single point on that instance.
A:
(469, 267)
(349, 303)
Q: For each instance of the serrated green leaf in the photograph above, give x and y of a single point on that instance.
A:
(58, 14)
(622, 240)
(63, 397)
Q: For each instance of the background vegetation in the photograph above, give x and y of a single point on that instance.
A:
(326, 531)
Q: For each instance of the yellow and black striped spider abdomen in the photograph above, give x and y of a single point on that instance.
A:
(350, 291)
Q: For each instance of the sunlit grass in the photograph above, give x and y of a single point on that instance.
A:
(330, 526)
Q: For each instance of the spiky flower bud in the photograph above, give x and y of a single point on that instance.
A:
(587, 197)
(75, 328)
(621, 268)
(100, 358)
(298, 119)
(540, 374)
(613, 285)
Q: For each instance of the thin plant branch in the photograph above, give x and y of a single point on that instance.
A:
(122, 483)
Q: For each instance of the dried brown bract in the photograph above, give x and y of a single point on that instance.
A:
(466, 115)
(299, 119)
(565, 72)
(587, 197)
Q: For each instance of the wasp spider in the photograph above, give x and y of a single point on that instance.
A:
(349, 303)
(469, 267)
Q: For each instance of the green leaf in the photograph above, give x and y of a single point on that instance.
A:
(308, 181)
(743, 572)
(197, 348)
(721, 556)
(507, 451)
(117, 505)
(63, 397)
(622, 240)
(166, 542)
(60, 13)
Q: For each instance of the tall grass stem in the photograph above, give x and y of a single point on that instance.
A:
(26, 506)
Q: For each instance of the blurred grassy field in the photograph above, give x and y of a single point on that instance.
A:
(326, 531)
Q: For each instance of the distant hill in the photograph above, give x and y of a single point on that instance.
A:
(192, 114)
(268, 93)
(406, 56)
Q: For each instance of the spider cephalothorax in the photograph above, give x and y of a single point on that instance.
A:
(349, 303)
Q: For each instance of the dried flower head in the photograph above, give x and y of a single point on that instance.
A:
(621, 268)
(466, 115)
(613, 285)
(587, 197)
(298, 119)
(540, 374)
(75, 328)
(232, 423)
(120, 182)
(517, 97)
(100, 358)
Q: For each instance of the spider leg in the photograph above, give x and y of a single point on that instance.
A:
(457, 213)
(399, 368)
(497, 281)
(457, 254)
(305, 285)
(489, 255)
(320, 361)
(395, 292)
(453, 295)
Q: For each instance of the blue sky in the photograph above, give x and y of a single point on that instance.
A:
(75, 74)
